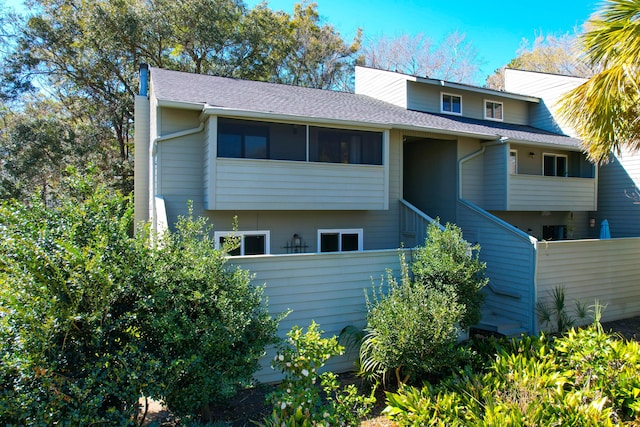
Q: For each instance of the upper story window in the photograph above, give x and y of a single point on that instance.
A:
(340, 240)
(251, 242)
(345, 146)
(450, 103)
(554, 165)
(493, 110)
(247, 139)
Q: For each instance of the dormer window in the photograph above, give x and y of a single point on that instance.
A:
(493, 110)
(451, 104)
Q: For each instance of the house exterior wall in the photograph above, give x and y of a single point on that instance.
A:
(496, 179)
(532, 223)
(430, 177)
(619, 194)
(427, 97)
(182, 168)
(548, 87)
(383, 85)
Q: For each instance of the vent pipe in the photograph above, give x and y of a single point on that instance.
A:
(144, 79)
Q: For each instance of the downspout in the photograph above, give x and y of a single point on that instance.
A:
(154, 164)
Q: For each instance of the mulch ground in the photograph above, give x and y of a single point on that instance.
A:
(249, 405)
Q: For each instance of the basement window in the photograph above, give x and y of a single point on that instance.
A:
(251, 242)
(340, 240)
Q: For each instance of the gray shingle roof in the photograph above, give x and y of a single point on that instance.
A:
(278, 99)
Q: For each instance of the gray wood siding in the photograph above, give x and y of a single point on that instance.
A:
(180, 172)
(496, 177)
(174, 120)
(426, 97)
(383, 85)
(619, 195)
(548, 87)
(549, 193)
(430, 177)
(590, 270)
(510, 258)
(327, 288)
(248, 184)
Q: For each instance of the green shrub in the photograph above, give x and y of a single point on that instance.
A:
(70, 349)
(450, 264)
(302, 400)
(413, 328)
(586, 378)
(206, 323)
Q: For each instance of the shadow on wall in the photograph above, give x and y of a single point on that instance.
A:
(619, 197)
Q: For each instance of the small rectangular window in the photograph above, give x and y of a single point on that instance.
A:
(493, 110)
(251, 242)
(554, 165)
(340, 240)
(451, 103)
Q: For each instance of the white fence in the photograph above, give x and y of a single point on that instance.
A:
(588, 270)
(328, 288)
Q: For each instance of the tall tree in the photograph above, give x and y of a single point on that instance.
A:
(556, 54)
(85, 54)
(605, 111)
(319, 56)
(453, 59)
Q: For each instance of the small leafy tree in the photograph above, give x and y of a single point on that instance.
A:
(70, 348)
(206, 323)
(449, 263)
(306, 397)
(412, 329)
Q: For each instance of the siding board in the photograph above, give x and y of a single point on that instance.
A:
(590, 270)
(314, 287)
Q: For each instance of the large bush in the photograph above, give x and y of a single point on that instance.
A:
(70, 352)
(92, 318)
(450, 264)
(586, 378)
(412, 329)
(206, 324)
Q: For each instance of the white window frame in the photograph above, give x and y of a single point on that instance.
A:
(511, 156)
(484, 110)
(442, 110)
(341, 231)
(555, 164)
(266, 233)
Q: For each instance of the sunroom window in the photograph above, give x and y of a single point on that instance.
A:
(345, 240)
(251, 242)
(345, 146)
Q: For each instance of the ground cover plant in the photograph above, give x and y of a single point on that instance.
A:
(586, 377)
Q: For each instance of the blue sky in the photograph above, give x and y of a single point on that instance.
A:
(495, 31)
